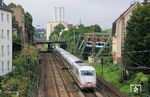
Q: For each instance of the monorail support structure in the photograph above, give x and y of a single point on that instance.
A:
(93, 38)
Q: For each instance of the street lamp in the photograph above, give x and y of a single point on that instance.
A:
(61, 32)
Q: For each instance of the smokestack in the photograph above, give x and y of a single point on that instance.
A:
(60, 16)
(63, 14)
(55, 12)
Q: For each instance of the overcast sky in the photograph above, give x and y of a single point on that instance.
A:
(102, 12)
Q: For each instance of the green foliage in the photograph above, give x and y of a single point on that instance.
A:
(16, 43)
(107, 31)
(111, 73)
(146, 1)
(73, 34)
(94, 28)
(57, 29)
(15, 24)
(138, 35)
(28, 23)
(141, 77)
(28, 26)
(12, 5)
(22, 72)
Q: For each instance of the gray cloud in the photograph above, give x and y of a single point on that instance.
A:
(102, 12)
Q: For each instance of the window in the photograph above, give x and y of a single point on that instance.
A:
(8, 66)
(2, 17)
(79, 61)
(8, 34)
(2, 33)
(87, 73)
(8, 18)
(2, 49)
(8, 50)
(2, 67)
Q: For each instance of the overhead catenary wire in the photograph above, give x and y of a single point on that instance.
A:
(134, 52)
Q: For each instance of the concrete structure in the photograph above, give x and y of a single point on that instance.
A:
(19, 13)
(5, 39)
(118, 33)
(50, 27)
(59, 16)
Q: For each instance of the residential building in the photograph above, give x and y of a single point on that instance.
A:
(39, 33)
(19, 14)
(119, 31)
(5, 39)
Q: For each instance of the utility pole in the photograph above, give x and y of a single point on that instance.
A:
(122, 50)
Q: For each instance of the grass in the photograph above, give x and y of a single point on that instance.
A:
(111, 73)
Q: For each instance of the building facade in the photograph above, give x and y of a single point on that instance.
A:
(50, 27)
(40, 34)
(118, 33)
(19, 14)
(5, 39)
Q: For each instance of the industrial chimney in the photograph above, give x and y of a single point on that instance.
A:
(59, 14)
(55, 14)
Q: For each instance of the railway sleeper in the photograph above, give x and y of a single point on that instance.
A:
(62, 68)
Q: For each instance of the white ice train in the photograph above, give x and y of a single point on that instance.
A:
(84, 75)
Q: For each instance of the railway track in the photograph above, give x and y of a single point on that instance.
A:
(86, 92)
(68, 80)
(54, 82)
(102, 86)
(109, 91)
(58, 78)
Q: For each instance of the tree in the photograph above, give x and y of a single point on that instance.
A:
(28, 26)
(16, 43)
(57, 29)
(137, 41)
(12, 5)
(15, 25)
(94, 28)
(145, 1)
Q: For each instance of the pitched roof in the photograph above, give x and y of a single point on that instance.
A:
(4, 7)
(114, 23)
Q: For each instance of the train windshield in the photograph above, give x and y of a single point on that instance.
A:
(79, 61)
(87, 73)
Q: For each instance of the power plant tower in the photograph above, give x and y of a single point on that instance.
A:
(55, 12)
(63, 14)
(59, 14)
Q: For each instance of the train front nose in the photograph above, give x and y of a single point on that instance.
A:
(89, 81)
